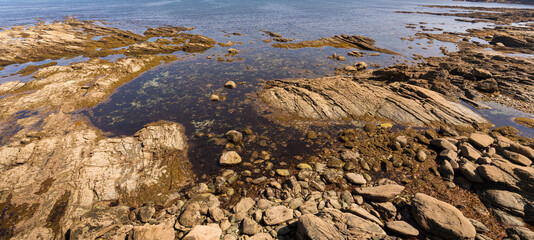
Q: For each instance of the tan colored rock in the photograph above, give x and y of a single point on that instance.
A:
(150, 232)
(480, 140)
(441, 218)
(204, 232)
(276, 215)
(381, 193)
(230, 158)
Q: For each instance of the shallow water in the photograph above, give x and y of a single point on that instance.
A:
(501, 115)
(180, 91)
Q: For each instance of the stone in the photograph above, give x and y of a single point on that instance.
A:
(508, 201)
(230, 85)
(480, 140)
(214, 97)
(234, 136)
(191, 215)
(276, 215)
(421, 156)
(387, 210)
(145, 213)
(332, 176)
(444, 144)
(204, 232)
(381, 193)
(216, 214)
(402, 228)
(334, 163)
(489, 85)
(522, 233)
(230, 158)
(359, 211)
(481, 73)
(469, 171)
(469, 152)
(304, 166)
(360, 66)
(261, 236)
(480, 227)
(402, 140)
(449, 155)
(283, 172)
(348, 155)
(233, 51)
(249, 226)
(524, 150)
(309, 207)
(441, 218)
(313, 227)
(244, 205)
(446, 171)
(355, 178)
(263, 204)
(149, 232)
(517, 158)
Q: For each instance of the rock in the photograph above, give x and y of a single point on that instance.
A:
(261, 236)
(469, 152)
(489, 85)
(387, 210)
(230, 158)
(263, 204)
(304, 166)
(359, 211)
(313, 227)
(191, 215)
(203, 232)
(444, 144)
(276, 215)
(333, 98)
(360, 66)
(448, 155)
(522, 233)
(508, 201)
(446, 171)
(145, 213)
(354, 178)
(244, 205)
(481, 74)
(469, 171)
(233, 51)
(249, 226)
(421, 156)
(335, 163)
(230, 85)
(309, 207)
(441, 219)
(517, 158)
(480, 227)
(216, 214)
(527, 151)
(507, 219)
(214, 97)
(355, 53)
(402, 140)
(402, 228)
(234, 136)
(348, 155)
(381, 193)
(283, 172)
(332, 176)
(149, 232)
(480, 140)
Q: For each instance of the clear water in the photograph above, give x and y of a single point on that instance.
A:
(179, 91)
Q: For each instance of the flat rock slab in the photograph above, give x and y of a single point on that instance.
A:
(441, 219)
(402, 228)
(277, 215)
(149, 232)
(204, 232)
(381, 193)
(481, 140)
(334, 98)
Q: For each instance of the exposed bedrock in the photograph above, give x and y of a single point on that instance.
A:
(341, 97)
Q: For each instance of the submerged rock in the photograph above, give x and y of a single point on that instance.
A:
(230, 158)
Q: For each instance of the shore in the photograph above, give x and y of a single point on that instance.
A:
(420, 162)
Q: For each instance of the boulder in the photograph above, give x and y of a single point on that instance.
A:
(261, 236)
(508, 201)
(234, 136)
(381, 193)
(313, 227)
(441, 219)
(517, 158)
(149, 232)
(244, 205)
(355, 178)
(203, 232)
(402, 228)
(469, 152)
(481, 140)
(444, 144)
(276, 215)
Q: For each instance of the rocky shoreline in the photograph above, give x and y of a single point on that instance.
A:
(421, 166)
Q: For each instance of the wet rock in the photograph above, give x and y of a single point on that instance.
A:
(234, 136)
(276, 215)
(441, 219)
(381, 193)
(149, 232)
(326, 98)
(302, 166)
(360, 66)
(348, 155)
(488, 85)
(517, 158)
(283, 172)
(481, 140)
(233, 51)
(402, 228)
(250, 227)
(214, 97)
(355, 178)
(230, 85)
(230, 158)
(203, 232)
(356, 53)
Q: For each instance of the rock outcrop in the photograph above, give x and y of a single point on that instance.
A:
(341, 97)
